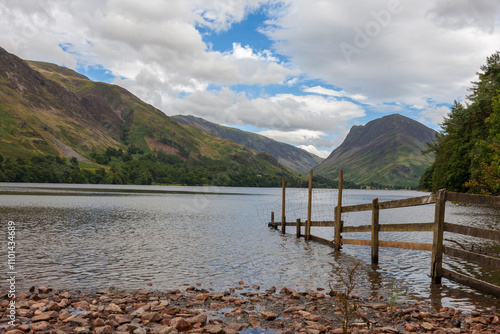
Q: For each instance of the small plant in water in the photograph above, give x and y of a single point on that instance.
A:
(394, 296)
(348, 308)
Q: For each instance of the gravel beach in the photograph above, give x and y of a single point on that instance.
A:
(239, 309)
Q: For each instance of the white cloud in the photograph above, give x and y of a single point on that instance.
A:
(403, 55)
(131, 38)
(463, 14)
(307, 138)
(283, 112)
(330, 92)
(294, 137)
(312, 149)
(435, 114)
(246, 52)
(427, 49)
(294, 119)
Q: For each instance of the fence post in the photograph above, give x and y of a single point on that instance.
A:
(375, 230)
(338, 212)
(437, 247)
(272, 221)
(309, 207)
(283, 216)
(298, 228)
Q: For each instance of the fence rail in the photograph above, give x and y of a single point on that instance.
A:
(438, 227)
(398, 203)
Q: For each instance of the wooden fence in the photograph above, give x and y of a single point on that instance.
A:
(438, 227)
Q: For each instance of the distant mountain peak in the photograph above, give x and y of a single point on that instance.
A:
(387, 150)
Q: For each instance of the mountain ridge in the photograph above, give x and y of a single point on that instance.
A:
(49, 110)
(46, 109)
(288, 155)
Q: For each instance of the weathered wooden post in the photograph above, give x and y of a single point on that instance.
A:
(283, 216)
(338, 212)
(437, 247)
(309, 207)
(375, 230)
(298, 228)
(272, 224)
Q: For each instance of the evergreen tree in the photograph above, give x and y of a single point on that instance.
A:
(468, 148)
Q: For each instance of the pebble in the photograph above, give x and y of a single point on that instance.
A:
(46, 310)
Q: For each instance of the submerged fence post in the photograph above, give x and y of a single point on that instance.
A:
(309, 207)
(298, 228)
(375, 230)
(437, 247)
(272, 224)
(338, 211)
(283, 216)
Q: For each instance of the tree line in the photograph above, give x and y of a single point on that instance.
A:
(134, 166)
(126, 168)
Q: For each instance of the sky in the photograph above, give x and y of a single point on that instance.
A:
(298, 71)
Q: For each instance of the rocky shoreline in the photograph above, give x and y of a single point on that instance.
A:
(242, 309)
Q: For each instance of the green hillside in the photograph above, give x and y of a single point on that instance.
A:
(288, 155)
(385, 151)
(51, 111)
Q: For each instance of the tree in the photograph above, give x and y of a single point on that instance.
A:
(74, 161)
(467, 150)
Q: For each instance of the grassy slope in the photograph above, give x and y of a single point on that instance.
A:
(384, 154)
(288, 155)
(30, 124)
(149, 128)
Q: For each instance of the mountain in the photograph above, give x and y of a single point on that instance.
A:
(47, 109)
(288, 155)
(39, 116)
(387, 151)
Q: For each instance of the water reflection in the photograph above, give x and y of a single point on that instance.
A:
(129, 237)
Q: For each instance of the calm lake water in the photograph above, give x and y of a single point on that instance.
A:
(91, 237)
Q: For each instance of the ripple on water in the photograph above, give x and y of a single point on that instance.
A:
(165, 239)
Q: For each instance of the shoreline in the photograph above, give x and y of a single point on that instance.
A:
(240, 309)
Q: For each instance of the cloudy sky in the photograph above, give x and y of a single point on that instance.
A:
(299, 71)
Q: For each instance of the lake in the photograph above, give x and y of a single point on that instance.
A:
(90, 237)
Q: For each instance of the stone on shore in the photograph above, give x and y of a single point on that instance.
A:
(180, 324)
(198, 311)
(268, 315)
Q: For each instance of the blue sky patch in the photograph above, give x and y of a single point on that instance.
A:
(96, 73)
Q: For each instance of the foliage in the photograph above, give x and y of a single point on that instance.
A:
(467, 150)
(159, 168)
(394, 296)
(134, 166)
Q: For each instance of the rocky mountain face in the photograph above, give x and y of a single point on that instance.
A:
(49, 109)
(288, 155)
(387, 151)
(40, 116)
